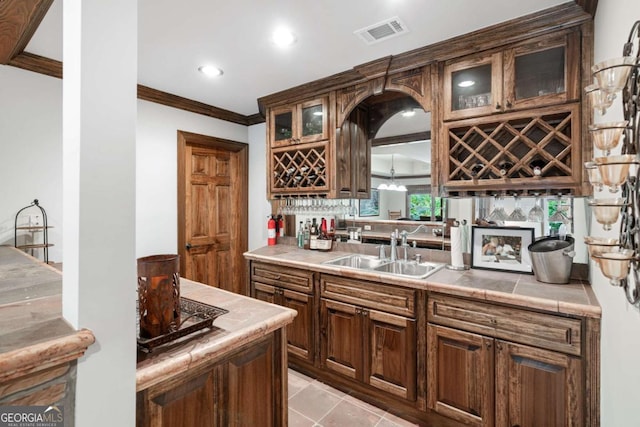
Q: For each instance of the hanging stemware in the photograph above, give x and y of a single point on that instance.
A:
(517, 214)
(498, 214)
(536, 214)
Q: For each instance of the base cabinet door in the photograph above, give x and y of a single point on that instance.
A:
(536, 387)
(341, 338)
(245, 389)
(370, 346)
(250, 398)
(390, 359)
(460, 375)
(190, 403)
(300, 339)
(300, 331)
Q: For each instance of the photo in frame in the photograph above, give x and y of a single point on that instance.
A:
(501, 248)
(371, 206)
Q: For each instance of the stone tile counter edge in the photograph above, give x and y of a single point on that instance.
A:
(575, 298)
(248, 320)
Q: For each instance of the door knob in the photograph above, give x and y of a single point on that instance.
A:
(188, 246)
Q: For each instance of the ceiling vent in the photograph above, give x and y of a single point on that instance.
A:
(384, 30)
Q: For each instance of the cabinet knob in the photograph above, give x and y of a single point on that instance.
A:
(188, 246)
(365, 312)
(509, 104)
(498, 106)
(488, 345)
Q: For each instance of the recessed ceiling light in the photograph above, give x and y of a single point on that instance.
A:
(408, 113)
(466, 83)
(283, 37)
(210, 71)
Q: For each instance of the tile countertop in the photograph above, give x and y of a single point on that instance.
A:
(248, 319)
(33, 333)
(575, 298)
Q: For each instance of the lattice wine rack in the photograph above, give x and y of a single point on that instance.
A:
(303, 168)
(513, 149)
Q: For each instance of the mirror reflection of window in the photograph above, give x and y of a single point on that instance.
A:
(410, 158)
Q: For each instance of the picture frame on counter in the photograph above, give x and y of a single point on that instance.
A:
(501, 248)
(371, 206)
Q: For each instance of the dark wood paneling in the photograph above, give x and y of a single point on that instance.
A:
(19, 19)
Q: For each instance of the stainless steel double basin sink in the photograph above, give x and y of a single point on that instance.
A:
(399, 268)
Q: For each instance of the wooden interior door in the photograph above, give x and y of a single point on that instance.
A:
(212, 211)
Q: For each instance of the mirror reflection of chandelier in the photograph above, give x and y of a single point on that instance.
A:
(392, 186)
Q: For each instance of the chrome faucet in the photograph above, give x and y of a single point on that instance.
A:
(405, 233)
(394, 244)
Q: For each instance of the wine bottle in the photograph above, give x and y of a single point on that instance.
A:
(313, 235)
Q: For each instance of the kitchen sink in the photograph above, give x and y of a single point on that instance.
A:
(373, 263)
(364, 262)
(410, 269)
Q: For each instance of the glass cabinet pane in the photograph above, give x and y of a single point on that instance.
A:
(312, 120)
(471, 88)
(283, 126)
(540, 73)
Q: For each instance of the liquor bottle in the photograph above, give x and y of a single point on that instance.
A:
(300, 236)
(323, 243)
(332, 229)
(313, 235)
(307, 235)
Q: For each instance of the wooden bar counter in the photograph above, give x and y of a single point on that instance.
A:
(38, 348)
(232, 375)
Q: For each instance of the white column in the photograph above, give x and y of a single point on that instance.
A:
(99, 131)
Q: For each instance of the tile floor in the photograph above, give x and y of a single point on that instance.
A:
(314, 404)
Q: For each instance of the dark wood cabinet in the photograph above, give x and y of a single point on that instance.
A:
(294, 289)
(460, 374)
(300, 331)
(299, 123)
(537, 387)
(240, 390)
(369, 345)
(482, 380)
(353, 154)
(535, 73)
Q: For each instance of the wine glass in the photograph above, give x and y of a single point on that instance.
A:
(498, 214)
(536, 214)
(517, 214)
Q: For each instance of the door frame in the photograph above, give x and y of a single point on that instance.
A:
(240, 181)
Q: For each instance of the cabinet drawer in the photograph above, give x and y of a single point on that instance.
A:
(537, 329)
(368, 294)
(284, 277)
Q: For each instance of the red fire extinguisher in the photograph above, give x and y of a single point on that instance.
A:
(271, 231)
(280, 226)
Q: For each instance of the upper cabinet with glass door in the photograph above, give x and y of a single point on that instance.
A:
(540, 72)
(299, 123)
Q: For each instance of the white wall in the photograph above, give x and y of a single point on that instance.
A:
(30, 150)
(259, 207)
(620, 349)
(157, 174)
(31, 159)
